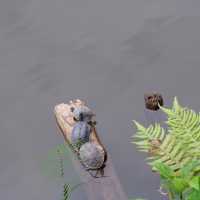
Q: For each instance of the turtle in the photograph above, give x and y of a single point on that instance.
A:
(92, 156)
(83, 126)
(82, 113)
(80, 133)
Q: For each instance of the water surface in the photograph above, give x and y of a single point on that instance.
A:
(108, 52)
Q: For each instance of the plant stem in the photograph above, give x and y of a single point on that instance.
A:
(170, 195)
(181, 196)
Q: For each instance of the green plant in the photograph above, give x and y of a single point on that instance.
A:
(174, 153)
(78, 144)
(53, 166)
(66, 191)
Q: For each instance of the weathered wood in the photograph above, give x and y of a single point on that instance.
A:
(105, 188)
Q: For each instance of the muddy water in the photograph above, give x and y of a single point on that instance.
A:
(108, 52)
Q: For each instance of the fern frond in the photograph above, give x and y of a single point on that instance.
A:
(144, 136)
(183, 123)
(175, 155)
(176, 106)
(172, 154)
(182, 143)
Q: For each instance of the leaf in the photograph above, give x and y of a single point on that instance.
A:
(194, 195)
(139, 126)
(66, 191)
(144, 136)
(176, 105)
(168, 111)
(179, 185)
(178, 150)
(188, 168)
(194, 182)
(164, 170)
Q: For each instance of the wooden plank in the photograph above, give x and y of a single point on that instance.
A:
(104, 188)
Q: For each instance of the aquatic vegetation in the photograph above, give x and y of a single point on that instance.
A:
(53, 166)
(174, 153)
(66, 191)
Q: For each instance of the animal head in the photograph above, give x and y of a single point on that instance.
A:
(82, 113)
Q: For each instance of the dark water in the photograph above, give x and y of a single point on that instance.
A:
(108, 52)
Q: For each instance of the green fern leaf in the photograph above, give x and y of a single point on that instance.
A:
(176, 106)
(144, 136)
(177, 148)
(183, 122)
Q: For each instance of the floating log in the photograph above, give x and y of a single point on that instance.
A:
(107, 187)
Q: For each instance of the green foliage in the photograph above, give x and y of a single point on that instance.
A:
(78, 144)
(180, 145)
(164, 170)
(66, 191)
(53, 166)
(145, 135)
(53, 163)
(174, 153)
(194, 195)
(179, 183)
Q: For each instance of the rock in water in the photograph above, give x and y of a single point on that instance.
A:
(81, 132)
(92, 155)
